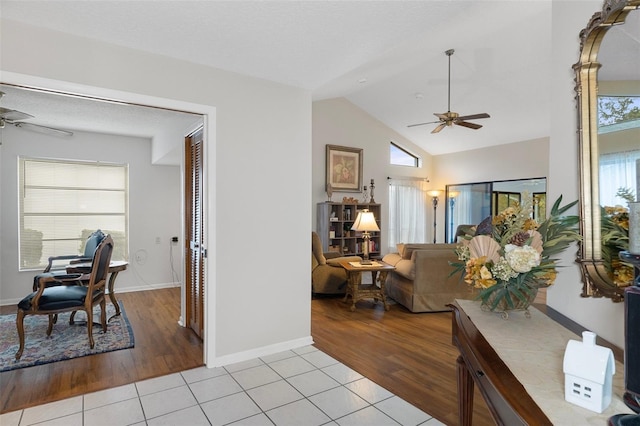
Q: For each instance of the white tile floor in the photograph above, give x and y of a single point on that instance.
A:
(298, 388)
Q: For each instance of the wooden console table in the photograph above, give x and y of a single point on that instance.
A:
(359, 291)
(517, 366)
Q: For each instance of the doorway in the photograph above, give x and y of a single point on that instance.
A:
(89, 93)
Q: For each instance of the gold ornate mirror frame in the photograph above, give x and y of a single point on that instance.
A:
(596, 282)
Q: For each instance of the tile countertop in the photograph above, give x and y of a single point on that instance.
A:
(533, 349)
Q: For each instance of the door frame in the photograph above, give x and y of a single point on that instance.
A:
(209, 138)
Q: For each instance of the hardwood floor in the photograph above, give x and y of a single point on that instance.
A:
(161, 347)
(411, 355)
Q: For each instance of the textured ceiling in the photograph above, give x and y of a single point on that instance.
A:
(387, 57)
(78, 113)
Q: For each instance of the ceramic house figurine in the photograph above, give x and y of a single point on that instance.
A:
(588, 373)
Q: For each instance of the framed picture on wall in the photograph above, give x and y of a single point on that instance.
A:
(344, 168)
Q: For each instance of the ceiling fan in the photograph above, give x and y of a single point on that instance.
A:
(14, 117)
(450, 118)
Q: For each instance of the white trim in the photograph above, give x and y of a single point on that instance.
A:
(261, 352)
(209, 113)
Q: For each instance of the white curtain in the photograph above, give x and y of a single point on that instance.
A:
(617, 170)
(460, 210)
(407, 212)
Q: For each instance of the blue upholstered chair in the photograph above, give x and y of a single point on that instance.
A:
(89, 248)
(56, 294)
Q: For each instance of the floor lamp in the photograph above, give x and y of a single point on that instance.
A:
(434, 200)
(452, 203)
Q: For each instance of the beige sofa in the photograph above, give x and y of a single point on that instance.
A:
(421, 281)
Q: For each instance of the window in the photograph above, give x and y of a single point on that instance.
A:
(62, 202)
(617, 170)
(618, 112)
(402, 157)
(407, 212)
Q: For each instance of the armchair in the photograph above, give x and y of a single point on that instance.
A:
(89, 248)
(56, 294)
(327, 276)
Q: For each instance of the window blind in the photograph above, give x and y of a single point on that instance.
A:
(62, 202)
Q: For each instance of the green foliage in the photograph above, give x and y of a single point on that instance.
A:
(559, 231)
(626, 194)
(616, 109)
(615, 237)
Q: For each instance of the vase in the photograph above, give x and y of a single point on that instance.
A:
(503, 307)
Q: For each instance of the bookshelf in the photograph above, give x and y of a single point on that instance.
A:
(334, 228)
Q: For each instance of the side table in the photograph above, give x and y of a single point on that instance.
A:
(115, 267)
(357, 291)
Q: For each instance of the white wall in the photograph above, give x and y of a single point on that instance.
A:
(339, 122)
(258, 147)
(602, 316)
(154, 205)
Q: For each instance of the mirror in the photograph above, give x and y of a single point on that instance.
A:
(471, 203)
(608, 67)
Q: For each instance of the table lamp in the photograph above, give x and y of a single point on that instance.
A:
(365, 222)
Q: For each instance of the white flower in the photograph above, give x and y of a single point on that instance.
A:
(503, 271)
(521, 259)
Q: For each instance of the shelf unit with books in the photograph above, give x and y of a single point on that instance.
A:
(334, 228)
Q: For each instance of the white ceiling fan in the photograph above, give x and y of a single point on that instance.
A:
(14, 117)
(450, 118)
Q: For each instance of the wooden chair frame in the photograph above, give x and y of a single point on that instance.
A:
(92, 241)
(94, 284)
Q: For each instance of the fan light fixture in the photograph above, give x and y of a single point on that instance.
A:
(450, 118)
(12, 116)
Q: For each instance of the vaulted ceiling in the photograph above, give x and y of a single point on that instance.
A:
(387, 57)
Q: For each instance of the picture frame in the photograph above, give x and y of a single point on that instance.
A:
(344, 168)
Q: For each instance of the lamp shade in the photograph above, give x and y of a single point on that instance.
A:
(365, 222)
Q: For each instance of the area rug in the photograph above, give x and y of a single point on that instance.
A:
(66, 341)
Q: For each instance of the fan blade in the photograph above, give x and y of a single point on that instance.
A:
(474, 116)
(469, 125)
(422, 124)
(442, 116)
(439, 127)
(12, 114)
(42, 129)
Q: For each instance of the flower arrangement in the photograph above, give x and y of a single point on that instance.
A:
(615, 238)
(510, 256)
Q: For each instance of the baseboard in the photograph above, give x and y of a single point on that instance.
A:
(260, 352)
(146, 287)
